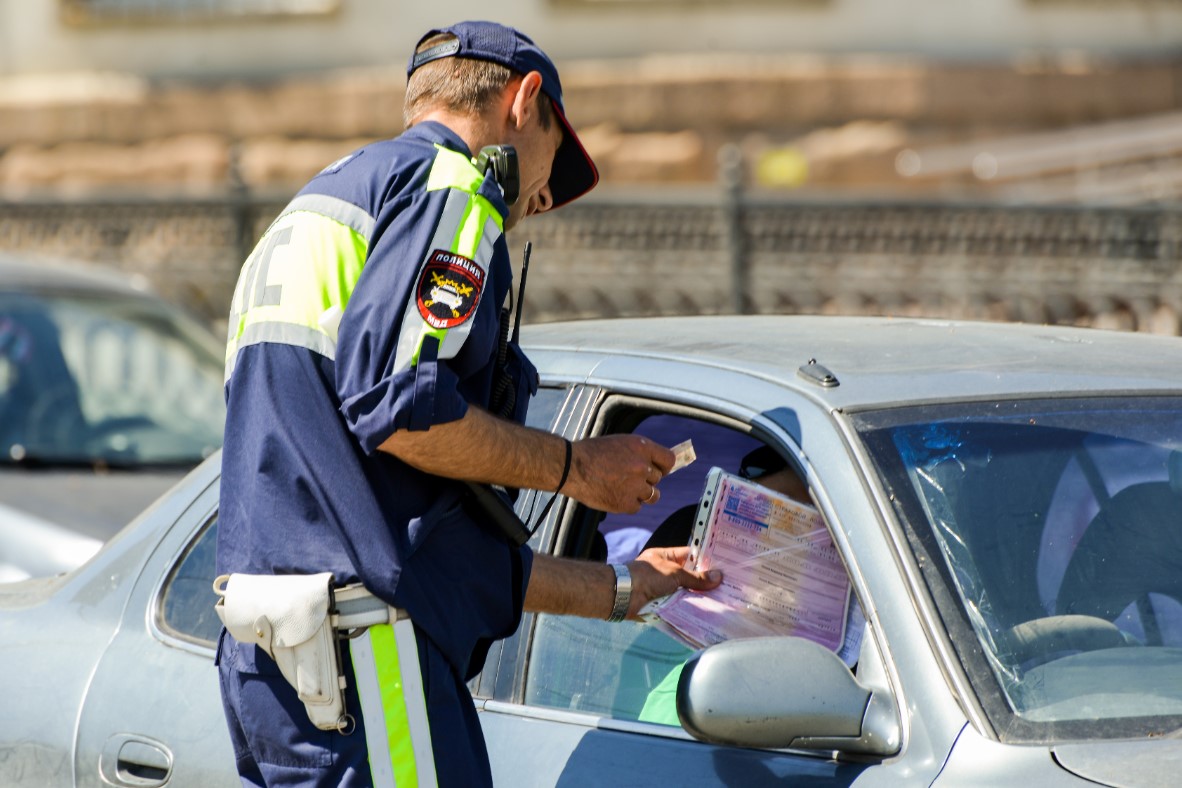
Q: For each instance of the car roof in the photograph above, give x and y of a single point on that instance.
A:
(879, 361)
(25, 273)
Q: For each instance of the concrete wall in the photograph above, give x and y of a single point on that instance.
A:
(660, 121)
(35, 37)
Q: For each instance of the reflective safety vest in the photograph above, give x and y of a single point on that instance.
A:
(299, 298)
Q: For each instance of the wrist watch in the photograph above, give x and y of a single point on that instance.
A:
(623, 593)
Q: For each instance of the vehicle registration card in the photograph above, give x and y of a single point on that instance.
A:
(782, 575)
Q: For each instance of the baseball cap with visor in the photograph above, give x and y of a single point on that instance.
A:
(574, 173)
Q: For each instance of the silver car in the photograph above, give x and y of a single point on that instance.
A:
(1004, 500)
(109, 395)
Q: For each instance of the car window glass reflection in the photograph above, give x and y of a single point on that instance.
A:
(109, 380)
(1056, 521)
(544, 407)
(187, 598)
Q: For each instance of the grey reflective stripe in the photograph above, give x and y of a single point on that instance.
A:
(334, 208)
(285, 333)
(414, 328)
(455, 210)
(454, 340)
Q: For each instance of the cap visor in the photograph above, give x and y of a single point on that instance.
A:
(573, 173)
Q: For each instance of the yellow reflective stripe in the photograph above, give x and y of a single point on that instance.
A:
(470, 233)
(399, 735)
(453, 170)
(305, 265)
(415, 695)
(427, 331)
(393, 705)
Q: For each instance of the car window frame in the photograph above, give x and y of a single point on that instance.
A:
(81, 317)
(194, 522)
(162, 628)
(510, 678)
(500, 678)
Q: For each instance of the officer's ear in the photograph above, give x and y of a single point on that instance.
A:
(525, 101)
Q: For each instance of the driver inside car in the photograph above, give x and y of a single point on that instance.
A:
(770, 470)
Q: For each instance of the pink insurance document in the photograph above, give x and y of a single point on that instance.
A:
(782, 574)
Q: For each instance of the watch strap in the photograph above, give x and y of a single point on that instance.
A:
(623, 593)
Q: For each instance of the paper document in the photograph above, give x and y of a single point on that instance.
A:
(781, 572)
(684, 454)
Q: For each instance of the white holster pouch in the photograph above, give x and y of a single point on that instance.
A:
(290, 618)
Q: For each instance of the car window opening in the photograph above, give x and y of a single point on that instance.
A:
(628, 670)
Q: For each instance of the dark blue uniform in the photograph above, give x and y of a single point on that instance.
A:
(371, 305)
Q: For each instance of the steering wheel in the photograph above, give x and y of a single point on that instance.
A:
(1046, 639)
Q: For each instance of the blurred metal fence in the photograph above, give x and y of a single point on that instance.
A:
(1112, 267)
(708, 252)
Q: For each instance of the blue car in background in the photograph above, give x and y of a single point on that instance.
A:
(108, 396)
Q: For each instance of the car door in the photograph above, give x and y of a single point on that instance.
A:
(570, 700)
(153, 713)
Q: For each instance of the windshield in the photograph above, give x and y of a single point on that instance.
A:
(106, 380)
(1050, 534)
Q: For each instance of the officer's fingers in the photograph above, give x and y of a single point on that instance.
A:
(660, 457)
(677, 555)
(628, 507)
(671, 561)
(699, 580)
(624, 496)
(657, 573)
(618, 473)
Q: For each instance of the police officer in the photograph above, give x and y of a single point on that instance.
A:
(364, 347)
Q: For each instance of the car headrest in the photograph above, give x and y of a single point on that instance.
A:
(1174, 468)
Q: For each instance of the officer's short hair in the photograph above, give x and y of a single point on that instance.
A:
(460, 84)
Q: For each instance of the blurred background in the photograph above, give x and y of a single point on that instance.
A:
(997, 159)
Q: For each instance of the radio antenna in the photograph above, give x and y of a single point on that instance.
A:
(521, 290)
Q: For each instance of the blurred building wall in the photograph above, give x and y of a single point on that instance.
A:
(812, 125)
(860, 96)
(178, 38)
(164, 145)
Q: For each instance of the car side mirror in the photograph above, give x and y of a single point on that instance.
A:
(787, 692)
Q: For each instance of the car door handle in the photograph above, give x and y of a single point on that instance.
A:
(135, 761)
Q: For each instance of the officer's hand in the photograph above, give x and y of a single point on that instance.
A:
(659, 571)
(617, 473)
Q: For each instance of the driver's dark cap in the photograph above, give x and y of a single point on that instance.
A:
(573, 173)
(761, 462)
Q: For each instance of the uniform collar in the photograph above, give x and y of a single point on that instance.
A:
(435, 132)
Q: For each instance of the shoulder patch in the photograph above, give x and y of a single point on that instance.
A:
(449, 289)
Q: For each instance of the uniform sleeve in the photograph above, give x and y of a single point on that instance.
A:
(418, 321)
